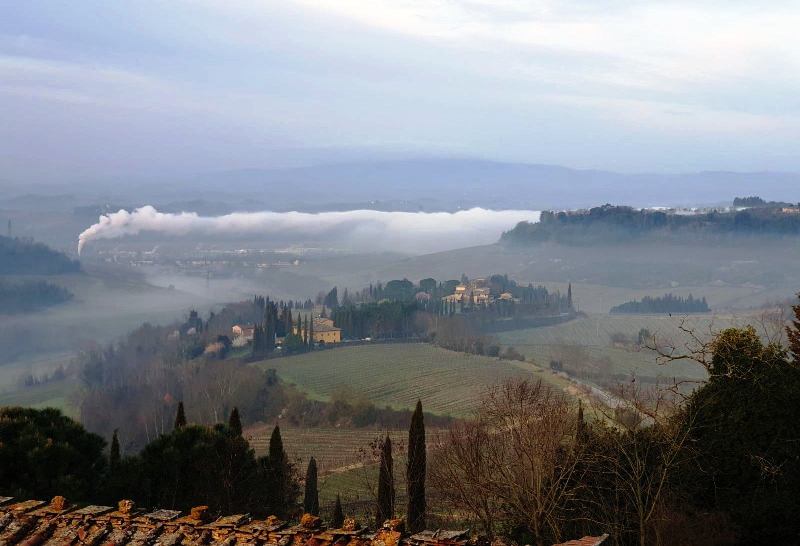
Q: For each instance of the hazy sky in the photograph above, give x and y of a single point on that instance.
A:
(92, 88)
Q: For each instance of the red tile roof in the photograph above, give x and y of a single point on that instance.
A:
(37, 523)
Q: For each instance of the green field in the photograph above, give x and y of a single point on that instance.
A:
(593, 334)
(397, 375)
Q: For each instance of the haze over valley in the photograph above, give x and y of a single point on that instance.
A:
(403, 273)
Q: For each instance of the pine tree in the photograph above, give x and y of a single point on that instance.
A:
(385, 485)
(114, 454)
(415, 471)
(337, 518)
(180, 417)
(569, 295)
(311, 333)
(235, 423)
(311, 497)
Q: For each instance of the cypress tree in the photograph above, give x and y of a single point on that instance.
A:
(114, 455)
(180, 417)
(385, 485)
(277, 471)
(311, 497)
(581, 432)
(311, 333)
(235, 423)
(415, 471)
(337, 518)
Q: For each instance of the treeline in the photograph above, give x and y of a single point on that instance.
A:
(402, 309)
(44, 454)
(387, 319)
(754, 201)
(26, 296)
(668, 303)
(19, 256)
(610, 223)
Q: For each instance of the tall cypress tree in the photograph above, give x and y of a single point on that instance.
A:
(311, 497)
(415, 471)
(337, 518)
(385, 484)
(180, 417)
(311, 333)
(114, 456)
(235, 423)
(581, 432)
(277, 466)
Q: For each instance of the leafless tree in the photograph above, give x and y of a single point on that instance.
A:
(516, 461)
(639, 459)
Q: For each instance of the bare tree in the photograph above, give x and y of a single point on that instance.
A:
(517, 460)
(639, 458)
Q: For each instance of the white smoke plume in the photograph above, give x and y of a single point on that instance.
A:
(412, 232)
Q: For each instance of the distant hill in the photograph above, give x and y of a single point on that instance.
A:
(452, 183)
(615, 223)
(364, 180)
(25, 257)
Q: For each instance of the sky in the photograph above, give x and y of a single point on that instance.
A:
(92, 89)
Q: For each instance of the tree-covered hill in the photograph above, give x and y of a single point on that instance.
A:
(668, 303)
(26, 257)
(618, 223)
(20, 297)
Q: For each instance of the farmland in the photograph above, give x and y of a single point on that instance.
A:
(593, 334)
(447, 382)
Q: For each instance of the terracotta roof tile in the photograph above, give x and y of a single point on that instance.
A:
(38, 523)
(585, 541)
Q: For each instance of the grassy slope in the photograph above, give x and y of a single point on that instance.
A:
(593, 333)
(447, 382)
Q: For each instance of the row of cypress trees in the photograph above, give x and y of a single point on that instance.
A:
(385, 509)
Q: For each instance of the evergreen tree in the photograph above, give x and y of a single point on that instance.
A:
(311, 333)
(569, 295)
(278, 469)
(581, 432)
(235, 423)
(793, 334)
(311, 497)
(114, 457)
(385, 484)
(180, 417)
(337, 518)
(415, 471)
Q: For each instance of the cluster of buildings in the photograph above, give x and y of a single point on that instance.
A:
(323, 332)
(477, 292)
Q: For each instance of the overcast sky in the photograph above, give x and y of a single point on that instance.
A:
(93, 88)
